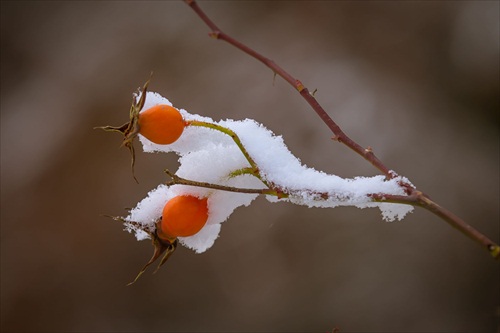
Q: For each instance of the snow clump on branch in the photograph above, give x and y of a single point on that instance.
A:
(210, 156)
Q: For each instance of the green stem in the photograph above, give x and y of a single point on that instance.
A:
(244, 171)
(254, 170)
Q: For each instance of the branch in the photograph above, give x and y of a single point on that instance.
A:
(182, 181)
(417, 198)
(414, 197)
(339, 135)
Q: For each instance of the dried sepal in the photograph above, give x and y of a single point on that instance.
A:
(131, 128)
(161, 246)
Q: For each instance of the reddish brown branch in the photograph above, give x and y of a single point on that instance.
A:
(415, 198)
(339, 135)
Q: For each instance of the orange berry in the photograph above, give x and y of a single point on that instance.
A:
(161, 124)
(183, 216)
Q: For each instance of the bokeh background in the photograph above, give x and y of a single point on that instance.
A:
(417, 81)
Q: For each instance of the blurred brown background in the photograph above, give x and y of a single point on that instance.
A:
(417, 81)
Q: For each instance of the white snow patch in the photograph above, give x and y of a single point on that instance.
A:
(208, 155)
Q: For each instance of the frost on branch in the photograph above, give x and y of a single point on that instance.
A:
(208, 155)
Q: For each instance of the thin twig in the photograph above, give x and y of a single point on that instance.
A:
(176, 180)
(414, 197)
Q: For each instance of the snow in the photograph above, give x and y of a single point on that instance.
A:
(208, 155)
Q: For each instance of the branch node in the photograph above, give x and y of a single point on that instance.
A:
(214, 34)
(299, 85)
(368, 150)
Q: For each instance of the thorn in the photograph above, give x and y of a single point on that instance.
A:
(314, 92)
(336, 138)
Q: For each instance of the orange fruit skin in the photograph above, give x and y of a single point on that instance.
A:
(161, 124)
(183, 216)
